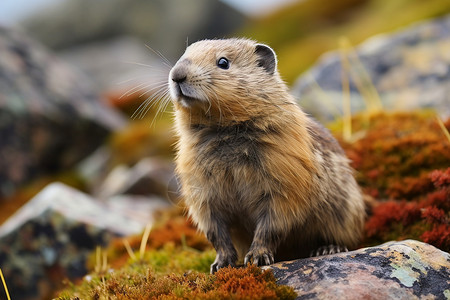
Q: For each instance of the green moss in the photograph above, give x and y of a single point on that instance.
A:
(172, 259)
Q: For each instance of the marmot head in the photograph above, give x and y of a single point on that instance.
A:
(233, 77)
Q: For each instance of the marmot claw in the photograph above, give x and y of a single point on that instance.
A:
(259, 257)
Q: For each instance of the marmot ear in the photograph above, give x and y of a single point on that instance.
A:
(267, 58)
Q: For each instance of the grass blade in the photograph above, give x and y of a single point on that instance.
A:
(4, 285)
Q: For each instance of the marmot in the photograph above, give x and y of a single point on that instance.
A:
(261, 179)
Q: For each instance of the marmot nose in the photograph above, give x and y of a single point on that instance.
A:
(179, 74)
(178, 78)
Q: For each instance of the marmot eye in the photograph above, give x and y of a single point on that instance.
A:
(223, 63)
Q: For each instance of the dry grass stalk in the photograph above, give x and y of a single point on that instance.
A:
(144, 240)
(346, 106)
(4, 285)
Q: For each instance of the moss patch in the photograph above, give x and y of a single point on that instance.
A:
(396, 153)
(174, 265)
(143, 283)
(403, 161)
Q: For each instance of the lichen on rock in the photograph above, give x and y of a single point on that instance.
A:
(394, 270)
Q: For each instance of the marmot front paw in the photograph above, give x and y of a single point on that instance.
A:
(259, 256)
(222, 261)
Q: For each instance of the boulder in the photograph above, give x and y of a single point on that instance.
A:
(110, 43)
(150, 176)
(50, 115)
(394, 270)
(51, 237)
(409, 69)
(167, 24)
(119, 66)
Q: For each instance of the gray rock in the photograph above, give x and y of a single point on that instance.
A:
(150, 176)
(50, 116)
(94, 168)
(110, 43)
(51, 237)
(119, 64)
(159, 22)
(394, 270)
(409, 69)
(75, 205)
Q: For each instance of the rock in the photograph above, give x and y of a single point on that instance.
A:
(166, 24)
(50, 116)
(409, 69)
(81, 207)
(150, 176)
(137, 207)
(118, 65)
(51, 237)
(110, 44)
(95, 167)
(394, 270)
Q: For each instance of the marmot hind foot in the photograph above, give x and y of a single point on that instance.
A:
(330, 249)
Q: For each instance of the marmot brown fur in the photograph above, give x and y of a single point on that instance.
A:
(261, 179)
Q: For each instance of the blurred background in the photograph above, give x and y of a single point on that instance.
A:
(75, 140)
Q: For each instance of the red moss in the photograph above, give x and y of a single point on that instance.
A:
(439, 236)
(441, 179)
(425, 218)
(440, 199)
(389, 212)
(177, 230)
(433, 215)
(409, 187)
(403, 161)
(248, 283)
(397, 153)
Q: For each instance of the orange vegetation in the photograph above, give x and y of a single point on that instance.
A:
(403, 161)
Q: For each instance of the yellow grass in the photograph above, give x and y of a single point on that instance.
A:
(101, 261)
(144, 240)
(129, 250)
(4, 285)
(324, 97)
(346, 106)
(444, 130)
(364, 84)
